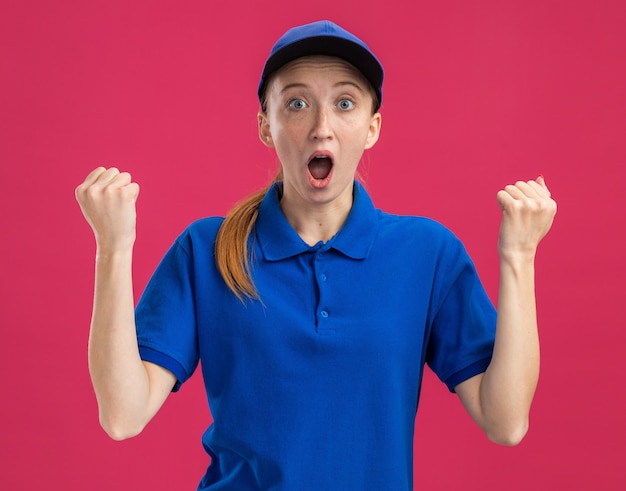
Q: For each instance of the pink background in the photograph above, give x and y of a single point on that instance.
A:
(478, 94)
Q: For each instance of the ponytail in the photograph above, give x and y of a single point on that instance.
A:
(231, 245)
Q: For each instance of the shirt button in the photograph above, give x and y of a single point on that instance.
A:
(323, 277)
(324, 314)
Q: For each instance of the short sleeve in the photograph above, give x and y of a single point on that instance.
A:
(463, 330)
(165, 315)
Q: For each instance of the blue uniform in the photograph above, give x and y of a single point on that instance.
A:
(316, 386)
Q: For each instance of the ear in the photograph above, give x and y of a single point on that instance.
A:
(374, 131)
(265, 135)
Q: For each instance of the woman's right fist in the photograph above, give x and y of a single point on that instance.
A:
(107, 199)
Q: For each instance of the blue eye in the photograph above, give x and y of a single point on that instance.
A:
(345, 104)
(297, 104)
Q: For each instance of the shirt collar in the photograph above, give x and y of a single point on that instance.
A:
(278, 240)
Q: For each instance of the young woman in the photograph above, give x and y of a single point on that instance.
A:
(312, 312)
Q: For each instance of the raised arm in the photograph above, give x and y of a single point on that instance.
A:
(129, 391)
(499, 400)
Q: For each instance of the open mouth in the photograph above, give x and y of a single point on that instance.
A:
(320, 167)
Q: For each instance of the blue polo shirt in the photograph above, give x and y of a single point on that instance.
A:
(316, 386)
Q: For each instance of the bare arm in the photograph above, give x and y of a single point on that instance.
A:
(129, 391)
(499, 400)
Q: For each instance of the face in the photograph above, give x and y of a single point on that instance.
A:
(319, 119)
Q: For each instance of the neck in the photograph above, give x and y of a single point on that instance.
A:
(317, 222)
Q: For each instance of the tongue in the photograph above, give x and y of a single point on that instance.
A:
(320, 168)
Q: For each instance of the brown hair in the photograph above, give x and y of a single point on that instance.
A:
(231, 244)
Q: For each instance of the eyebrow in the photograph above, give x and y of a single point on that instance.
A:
(292, 86)
(300, 85)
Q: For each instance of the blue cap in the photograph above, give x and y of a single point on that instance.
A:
(324, 38)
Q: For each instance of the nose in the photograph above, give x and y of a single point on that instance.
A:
(321, 125)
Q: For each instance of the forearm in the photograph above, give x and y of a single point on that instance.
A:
(509, 384)
(119, 378)
(499, 400)
(129, 391)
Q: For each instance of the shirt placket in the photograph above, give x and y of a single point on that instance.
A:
(323, 311)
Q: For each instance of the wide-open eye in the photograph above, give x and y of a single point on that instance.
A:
(297, 104)
(345, 104)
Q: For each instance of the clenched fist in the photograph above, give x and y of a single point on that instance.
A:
(107, 199)
(527, 215)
